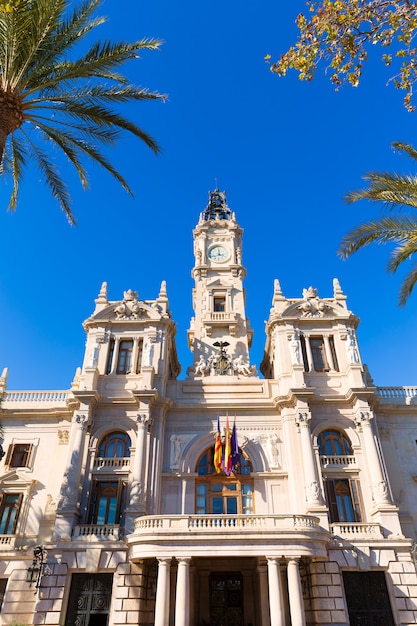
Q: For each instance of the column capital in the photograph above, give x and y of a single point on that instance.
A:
(363, 417)
(183, 559)
(303, 418)
(82, 419)
(144, 420)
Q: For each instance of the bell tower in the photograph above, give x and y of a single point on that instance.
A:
(219, 334)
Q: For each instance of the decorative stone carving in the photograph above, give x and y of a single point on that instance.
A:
(148, 352)
(63, 437)
(312, 306)
(313, 493)
(201, 367)
(295, 348)
(303, 418)
(129, 308)
(136, 493)
(93, 355)
(176, 450)
(240, 367)
(272, 450)
(352, 349)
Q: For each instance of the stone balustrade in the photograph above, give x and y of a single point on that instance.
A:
(337, 461)
(100, 532)
(113, 463)
(214, 523)
(398, 395)
(34, 399)
(354, 530)
(7, 542)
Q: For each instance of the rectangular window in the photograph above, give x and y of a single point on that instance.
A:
(367, 598)
(318, 353)
(107, 502)
(18, 455)
(343, 500)
(304, 353)
(124, 360)
(219, 304)
(9, 511)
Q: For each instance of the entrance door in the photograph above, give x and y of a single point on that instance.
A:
(367, 599)
(89, 600)
(226, 599)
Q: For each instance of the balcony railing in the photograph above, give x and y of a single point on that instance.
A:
(7, 542)
(112, 463)
(38, 399)
(399, 395)
(213, 523)
(102, 532)
(355, 530)
(337, 461)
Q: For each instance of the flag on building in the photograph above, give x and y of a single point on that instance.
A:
(235, 448)
(217, 458)
(227, 461)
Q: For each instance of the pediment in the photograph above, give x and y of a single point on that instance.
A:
(128, 311)
(16, 479)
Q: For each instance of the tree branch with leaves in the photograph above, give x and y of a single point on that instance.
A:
(339, 34)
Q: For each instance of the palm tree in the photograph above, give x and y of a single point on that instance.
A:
(395, 192)
(49, 99)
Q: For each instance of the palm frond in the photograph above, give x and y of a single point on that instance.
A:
(52, 178)
(382, 231)
(17, 163)
(403, 252)
(65, 101)
(407, 286)
(393, 190)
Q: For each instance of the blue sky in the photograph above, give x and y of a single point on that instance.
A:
(285, 152)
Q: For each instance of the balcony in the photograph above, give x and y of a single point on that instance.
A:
(397, 395)
(342, 460)
(35, 399)
(7, 542)
(96, 532)
(220, 319)
(355, 530)
(228, 535)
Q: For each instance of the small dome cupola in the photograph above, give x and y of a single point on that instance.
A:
(217, 207)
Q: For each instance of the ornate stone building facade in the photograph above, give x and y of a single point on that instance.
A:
(116, 501)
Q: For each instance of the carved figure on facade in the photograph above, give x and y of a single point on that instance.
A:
(93, 355)
(295, 348)
(353, 353)
(201, 367)
(68, 497)
(272, 450)
(63, 437)
(136, 493)
(148, 352)
(241, 367)
(313, 492)
(176, 450)
(50, 506)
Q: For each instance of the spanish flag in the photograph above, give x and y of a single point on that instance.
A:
(217, 459)
(227, 461)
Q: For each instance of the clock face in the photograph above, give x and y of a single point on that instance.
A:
(218, 254)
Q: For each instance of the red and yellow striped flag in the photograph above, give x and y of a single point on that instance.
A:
(227, 462)
(217, 459)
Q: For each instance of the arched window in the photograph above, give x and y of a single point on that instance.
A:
(334, 443)
(115, 445)
(218, 494)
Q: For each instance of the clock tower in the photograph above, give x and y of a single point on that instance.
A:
(219, 334)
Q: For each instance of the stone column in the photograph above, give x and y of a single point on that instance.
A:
(309, 354)
(263, 593)
(295, 594)
(311, 481)
(182, 600)
(135, 352)
(162, 592)
(68, 503)
(137, 495)
(276, 607)
(329, 354)
(115, 356)
(377, 478)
